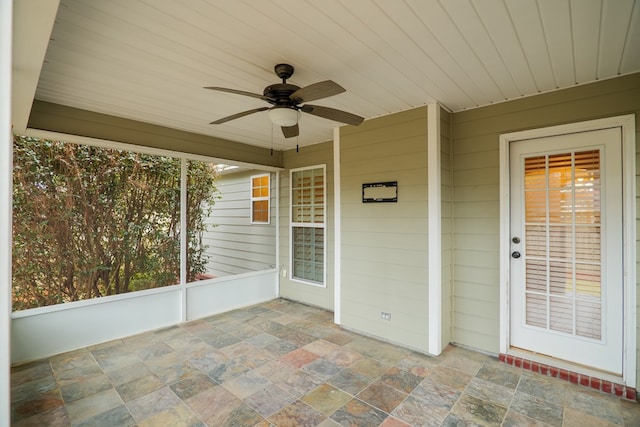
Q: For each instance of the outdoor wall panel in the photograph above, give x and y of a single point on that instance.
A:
(476, 197)
(318, 154)
(376, 236)
(236, 246)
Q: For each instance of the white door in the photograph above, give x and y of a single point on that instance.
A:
(566, 269)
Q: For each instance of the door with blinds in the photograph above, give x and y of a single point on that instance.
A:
(566, 271)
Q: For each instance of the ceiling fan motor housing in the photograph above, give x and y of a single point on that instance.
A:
(278, 94)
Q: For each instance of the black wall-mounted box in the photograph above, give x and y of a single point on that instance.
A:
(380, 192)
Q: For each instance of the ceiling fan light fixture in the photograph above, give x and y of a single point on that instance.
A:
(284, 116)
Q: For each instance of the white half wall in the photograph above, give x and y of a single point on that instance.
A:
(230, 292)
(43, 332)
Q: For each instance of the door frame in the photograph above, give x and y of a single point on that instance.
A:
(627, 125)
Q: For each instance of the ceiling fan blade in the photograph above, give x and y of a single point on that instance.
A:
(316, 91)
(240, 92)
(332, 114)
(290, 131)
(238, 115)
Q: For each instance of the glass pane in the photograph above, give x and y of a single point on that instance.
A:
(535, 173)
(588, 243)
(588, 280)
(560, 171)
(587, 168)
(536, 275)
(587, 205)
(536, 313)
(561, 278)
(307, 196)
(561, 242)
(261, 211)
(560, 206)
(535, 206)
(589, 319)
(561, 314)
(308, 253)
(536, 240)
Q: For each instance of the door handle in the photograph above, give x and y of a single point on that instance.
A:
(515, 254)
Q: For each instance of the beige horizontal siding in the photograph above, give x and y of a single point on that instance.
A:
(476, 191)
(384, 245)
(314, 155)
(235, 245)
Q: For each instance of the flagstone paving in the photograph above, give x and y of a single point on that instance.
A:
(286, 364)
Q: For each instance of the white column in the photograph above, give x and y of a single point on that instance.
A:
(6, 168)
(184, 242)
(278, 265)
(435, 228)
(337, 225)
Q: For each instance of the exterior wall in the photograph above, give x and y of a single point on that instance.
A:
(447, 222)
(318, 154)
(73, 121)
(476, 198)
(236, 245)
(385, 245)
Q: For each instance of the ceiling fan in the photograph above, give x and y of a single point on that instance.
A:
(286, 100)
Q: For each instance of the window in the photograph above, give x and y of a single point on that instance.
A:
(260, 199)
(308, 224)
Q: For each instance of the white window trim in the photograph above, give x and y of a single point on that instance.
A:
(261, 198)
(627, 125)
(322, 225)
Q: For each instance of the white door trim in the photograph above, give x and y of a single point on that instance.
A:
(627, 125)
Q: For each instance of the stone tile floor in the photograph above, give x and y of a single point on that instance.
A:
(286, 364)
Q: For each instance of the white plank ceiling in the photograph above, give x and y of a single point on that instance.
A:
(148, 60)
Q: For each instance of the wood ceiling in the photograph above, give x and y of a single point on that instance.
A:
(148, 60)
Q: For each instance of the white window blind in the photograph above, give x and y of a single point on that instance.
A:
(563, 243)
(308, 224)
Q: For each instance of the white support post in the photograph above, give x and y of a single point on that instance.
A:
(183, 240)
(279, 276)
(6, 185)
(336, 227)
(435, 228)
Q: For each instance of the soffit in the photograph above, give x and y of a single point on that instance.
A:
(149, 60)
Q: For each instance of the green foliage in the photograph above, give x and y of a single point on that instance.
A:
(90, 221)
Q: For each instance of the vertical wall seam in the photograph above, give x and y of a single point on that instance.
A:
(452, 205)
